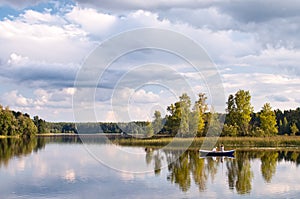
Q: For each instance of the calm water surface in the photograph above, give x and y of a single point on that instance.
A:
(66, 168)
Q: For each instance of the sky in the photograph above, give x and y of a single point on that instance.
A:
(45, 45)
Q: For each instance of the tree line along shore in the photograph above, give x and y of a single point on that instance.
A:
(184, 119)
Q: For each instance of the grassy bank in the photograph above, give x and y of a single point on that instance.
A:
(229, 142)
(195, 143)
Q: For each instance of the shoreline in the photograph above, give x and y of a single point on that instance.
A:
(229, 142)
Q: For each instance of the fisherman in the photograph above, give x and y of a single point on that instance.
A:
(222, 147)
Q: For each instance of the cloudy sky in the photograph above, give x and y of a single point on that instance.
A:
(254, 45)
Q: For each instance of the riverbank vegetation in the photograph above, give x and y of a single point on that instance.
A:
(229, 142)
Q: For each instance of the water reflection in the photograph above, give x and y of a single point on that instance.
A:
(14, 147)
(186, 167)
(64, 164)
(18, 147)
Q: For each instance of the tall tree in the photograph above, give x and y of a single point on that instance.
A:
(157, 123)
(243, 111)
(200, 108)
(40, 124)
(178, 120)
(214, 124)
(194, 122)
(268, 120)
(230, 119)
(285, 126)
(294, 129)
(149, 130)
(239, 111)
(185, 105)
(173, 120)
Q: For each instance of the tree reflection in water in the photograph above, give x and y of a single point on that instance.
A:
(186, 167)
(268, 165)
(239, 173)
(17, 147)
(11, 147)
(180, 172)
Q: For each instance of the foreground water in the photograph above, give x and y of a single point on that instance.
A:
(64, 168)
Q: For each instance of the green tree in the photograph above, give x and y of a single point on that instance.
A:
(280, 127)
(285, 126)
(178, 120)
(8, 122)
(185, 104)
(229, 130)
(239, 111)
(214, 124)
(40, 124)
(149, 130)
(294, 129)
(268, 120)
(157, 123)
(198, 114)
(194, 122)
(26, 127)
(200, 108)
(230, 119)
(243, 111)
(173, 120)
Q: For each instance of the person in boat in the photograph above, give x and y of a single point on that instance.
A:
(214, 149)
(222, 147)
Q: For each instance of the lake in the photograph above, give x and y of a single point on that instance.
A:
(67, 168)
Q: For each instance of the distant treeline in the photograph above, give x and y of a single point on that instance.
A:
(184, 119)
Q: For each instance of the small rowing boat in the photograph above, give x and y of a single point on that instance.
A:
(216, 153)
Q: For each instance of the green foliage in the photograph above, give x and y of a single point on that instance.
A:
(243, 111)
(230, 130)
(185, 104)
(194, 122)
(173, 120)
(201, 108)
(268, 120)
(214, 125)
(230, 119)
(183, 120)
(287, 118)
(178, 120)
(294, 129)
(8, 123)
(239, 111)
(40, 124)
(16, 124)
(149, 130)
(26, 127)
(157, 123)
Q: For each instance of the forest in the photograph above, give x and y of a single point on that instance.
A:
(184, 119)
